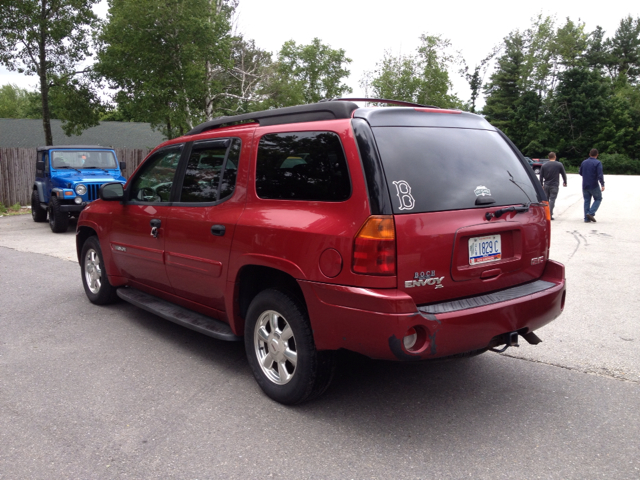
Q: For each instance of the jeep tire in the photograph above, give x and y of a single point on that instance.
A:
(281, 351)
(94, 276)
(58, 220)
(38, 213)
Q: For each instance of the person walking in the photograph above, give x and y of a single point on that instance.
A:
(550, 179)
(591, 172)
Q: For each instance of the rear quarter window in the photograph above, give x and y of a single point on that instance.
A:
(302, 166)
(435, 169)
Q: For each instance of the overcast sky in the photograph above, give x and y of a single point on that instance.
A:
(366, 29)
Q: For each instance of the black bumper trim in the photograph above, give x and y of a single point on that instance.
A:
(488, 299)
(71, 208)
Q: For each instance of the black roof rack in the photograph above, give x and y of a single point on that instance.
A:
(327, 110)
(379, 100)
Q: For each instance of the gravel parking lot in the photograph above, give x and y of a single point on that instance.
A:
(114, 392)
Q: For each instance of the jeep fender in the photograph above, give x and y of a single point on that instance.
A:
(39, 186)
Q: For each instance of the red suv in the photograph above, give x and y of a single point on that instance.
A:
(401, 233)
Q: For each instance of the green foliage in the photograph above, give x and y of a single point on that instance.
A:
(579, 105)
(18, 102)
(420, 78)
(617, 164)
(155, 54)
(503, 91)
(306, 74)
(48, 39)
(15, 209)
(567, 90)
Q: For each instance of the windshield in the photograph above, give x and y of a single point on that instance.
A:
(83, 159)
(434, 169)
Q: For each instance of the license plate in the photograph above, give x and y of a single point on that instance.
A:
(484, 249)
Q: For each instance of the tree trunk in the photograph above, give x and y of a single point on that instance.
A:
(208, 99)
(42, 72)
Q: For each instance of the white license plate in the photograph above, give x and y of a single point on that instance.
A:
(484, 249)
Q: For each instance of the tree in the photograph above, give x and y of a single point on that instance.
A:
(237, 86)
(16, 102)
(503, 90)
(306, 74)
(420, 78)
(397, 78)
(48, 39)
(159, 55)
(476, 79)
(581, 102)
(625, 48)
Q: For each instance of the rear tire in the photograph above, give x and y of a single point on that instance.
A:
(281, 351)
(94, 276)
(58, 221)
(38, 213)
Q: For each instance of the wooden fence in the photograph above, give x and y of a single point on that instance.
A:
(18, 170)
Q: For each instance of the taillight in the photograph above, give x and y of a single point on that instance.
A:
(547, 211)
(374, 249)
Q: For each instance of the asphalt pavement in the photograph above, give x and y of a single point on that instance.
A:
(115, 392)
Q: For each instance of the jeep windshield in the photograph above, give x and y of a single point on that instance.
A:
(83, 159)
(431, 169)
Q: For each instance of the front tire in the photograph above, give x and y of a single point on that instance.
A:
(94, 276)
(58, 221)
(281, 351)
(38, 213)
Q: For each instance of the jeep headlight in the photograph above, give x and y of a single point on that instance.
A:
(81, 189)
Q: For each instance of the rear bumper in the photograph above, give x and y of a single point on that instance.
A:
(373, 322)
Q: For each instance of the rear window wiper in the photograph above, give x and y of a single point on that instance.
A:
(498, 213)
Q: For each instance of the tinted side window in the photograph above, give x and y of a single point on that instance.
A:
(154, 182)
(302, 166)
(210, 173)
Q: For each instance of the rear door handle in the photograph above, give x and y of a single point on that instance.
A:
(218, 230)
(155, 225)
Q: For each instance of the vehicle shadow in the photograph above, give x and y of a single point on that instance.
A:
(400, 396)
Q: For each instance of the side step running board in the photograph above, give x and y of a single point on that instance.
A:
(182, 316)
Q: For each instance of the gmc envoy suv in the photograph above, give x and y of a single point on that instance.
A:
(401, 233)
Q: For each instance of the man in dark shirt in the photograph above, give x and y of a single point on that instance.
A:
(591, 171)
(550, 179)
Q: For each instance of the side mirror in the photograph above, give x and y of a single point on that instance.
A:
(110, 192)
(40, 165)
(123, 165)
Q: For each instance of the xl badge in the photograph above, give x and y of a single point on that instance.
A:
(483, 191)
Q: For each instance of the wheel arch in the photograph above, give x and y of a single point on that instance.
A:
(253, 279)
(82, 234)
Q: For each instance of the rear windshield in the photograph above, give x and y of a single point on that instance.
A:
(83, 159)
(434, 169)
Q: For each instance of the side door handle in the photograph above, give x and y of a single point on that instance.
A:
(218, 230)
(155, 225)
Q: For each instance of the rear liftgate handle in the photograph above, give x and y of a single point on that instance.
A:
(155, 225)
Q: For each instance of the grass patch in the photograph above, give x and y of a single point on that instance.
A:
(15, 209)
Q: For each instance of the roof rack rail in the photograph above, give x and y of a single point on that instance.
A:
(301, 113)
(379, 100)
